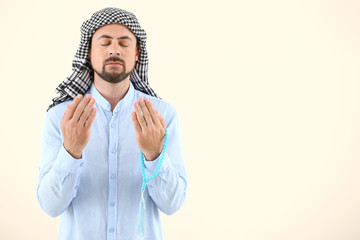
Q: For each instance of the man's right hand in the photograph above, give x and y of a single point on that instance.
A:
(76, 124)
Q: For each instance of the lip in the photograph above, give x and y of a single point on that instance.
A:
(114, 64)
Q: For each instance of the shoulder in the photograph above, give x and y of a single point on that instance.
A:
(57, 112)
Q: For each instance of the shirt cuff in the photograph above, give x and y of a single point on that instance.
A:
(151, 166)
(66, 162)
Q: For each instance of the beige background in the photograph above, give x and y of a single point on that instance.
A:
(267, 94)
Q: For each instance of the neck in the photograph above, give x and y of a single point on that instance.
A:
(112, 92)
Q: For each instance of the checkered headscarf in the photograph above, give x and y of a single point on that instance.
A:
(83, 74)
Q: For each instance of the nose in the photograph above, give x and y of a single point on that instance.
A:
(114, 49)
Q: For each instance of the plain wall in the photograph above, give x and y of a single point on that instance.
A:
(267, 94)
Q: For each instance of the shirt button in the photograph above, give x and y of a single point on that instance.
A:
(111, 229)
(112, 204)
(112, 125)
(113, 151)
(113, 176)
(76, 186)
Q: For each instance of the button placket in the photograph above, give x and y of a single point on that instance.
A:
(112, 198)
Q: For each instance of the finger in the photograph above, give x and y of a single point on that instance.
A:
(146, 112)
(80, 108)
(73, 106)
(153, 113)
(136, 122)
(85, 115)
(91, 118)
(139, 116)
(65, 113)
(162, 120)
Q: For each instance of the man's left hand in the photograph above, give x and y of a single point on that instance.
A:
(149, 128)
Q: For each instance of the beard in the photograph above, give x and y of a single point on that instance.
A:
(114, 76)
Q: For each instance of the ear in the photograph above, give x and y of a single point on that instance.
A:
(137, 53)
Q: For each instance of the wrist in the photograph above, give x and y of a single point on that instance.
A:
(152, 156)
(73, 152)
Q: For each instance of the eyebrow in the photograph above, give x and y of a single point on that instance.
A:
(107, 36)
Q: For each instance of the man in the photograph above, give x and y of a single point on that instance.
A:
(107, 136)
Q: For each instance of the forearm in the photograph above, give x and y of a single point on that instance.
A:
(58, 183)
(168, 188)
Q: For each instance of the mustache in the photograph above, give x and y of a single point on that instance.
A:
(115, 59)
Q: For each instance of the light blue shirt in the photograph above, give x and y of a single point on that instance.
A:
(98, 195)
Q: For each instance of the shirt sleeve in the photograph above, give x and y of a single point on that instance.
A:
(59, 172)
(168, 187)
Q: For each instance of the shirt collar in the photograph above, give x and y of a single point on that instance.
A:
(100, 100)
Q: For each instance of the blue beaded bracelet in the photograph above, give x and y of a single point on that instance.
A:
(140, 229)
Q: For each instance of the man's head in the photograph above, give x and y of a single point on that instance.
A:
(89, 61)
(114, 52)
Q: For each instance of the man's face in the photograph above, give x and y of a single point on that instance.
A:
(113, 52)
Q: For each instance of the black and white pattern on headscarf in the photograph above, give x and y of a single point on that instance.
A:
(83, 74)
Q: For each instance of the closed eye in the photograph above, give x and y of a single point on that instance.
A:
(121, 44)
